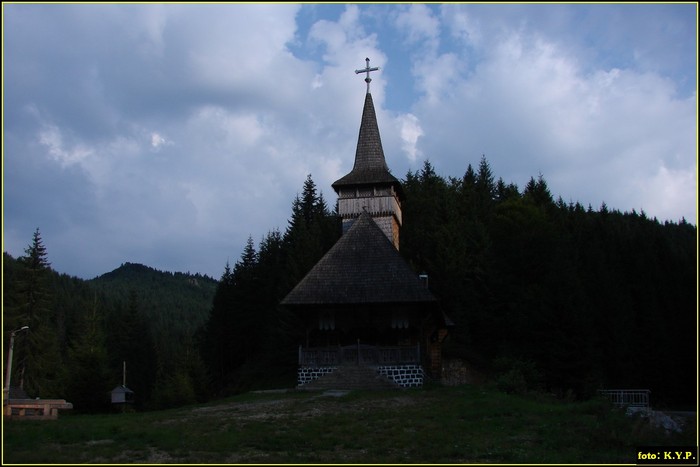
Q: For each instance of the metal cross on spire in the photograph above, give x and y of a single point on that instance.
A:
(367, 70)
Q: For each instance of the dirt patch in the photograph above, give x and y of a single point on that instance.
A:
(311, 405)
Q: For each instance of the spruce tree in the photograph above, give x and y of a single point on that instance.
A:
(37, 358)
(485, 188)
(218, 353)
(311, 231)
(249, 319)
(88, 382)
(131, 344)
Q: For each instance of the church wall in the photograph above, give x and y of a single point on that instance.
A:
(394, 232)
(388, 226)
(388, 325)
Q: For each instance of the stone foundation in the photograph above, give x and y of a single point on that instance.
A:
(407, 376)
(308, 374)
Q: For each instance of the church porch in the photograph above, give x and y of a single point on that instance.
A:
(359, 354)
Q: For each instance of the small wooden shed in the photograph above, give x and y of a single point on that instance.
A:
(122, 395)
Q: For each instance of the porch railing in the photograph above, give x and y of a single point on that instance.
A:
(627, 397)
(359, 354)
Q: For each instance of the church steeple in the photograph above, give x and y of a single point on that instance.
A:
(370, 185)
(370, 165)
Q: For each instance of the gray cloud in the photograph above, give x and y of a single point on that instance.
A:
(167, 134)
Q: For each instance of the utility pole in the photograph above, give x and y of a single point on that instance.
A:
(8, 372)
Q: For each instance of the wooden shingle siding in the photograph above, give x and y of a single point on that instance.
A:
(370, 165)
(376, 206)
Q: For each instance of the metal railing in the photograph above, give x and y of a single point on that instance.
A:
(627, 397)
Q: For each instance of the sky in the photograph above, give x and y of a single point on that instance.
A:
(169, 134)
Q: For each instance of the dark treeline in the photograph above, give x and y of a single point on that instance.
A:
(81, 333)
(545, 296)
(185, 338)
(552, 296)
(250, 341)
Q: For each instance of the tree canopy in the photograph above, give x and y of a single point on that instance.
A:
(545, 296)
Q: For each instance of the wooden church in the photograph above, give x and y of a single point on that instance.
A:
(362, 304)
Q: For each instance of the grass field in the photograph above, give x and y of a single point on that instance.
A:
(463, 424)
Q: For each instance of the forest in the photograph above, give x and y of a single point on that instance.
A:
(546, 296)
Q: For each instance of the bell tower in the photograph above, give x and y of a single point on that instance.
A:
(370, 186)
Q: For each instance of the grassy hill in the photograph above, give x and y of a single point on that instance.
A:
(180, 302)
(134, 314)
(464, 424)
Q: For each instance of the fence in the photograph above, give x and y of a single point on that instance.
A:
(359, 354)
(627, 397)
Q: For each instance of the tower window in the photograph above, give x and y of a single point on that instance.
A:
(399, 320)
(386, 191)
(347, 193)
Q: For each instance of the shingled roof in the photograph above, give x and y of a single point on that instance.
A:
(370, 166)
(363, 267)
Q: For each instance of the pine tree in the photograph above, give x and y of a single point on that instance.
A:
(282, 332)
(182, 379)
(88, 382)
(485, 188)
(468, 194)
(218, 353)
(538, 192)
(310, 205)
(311, 231)
(505, 192)
(38, 360)
(130, 341)
(249, 318)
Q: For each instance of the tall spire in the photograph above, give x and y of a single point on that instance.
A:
(370, 187)
(370, 165)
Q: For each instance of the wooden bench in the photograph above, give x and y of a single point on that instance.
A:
(35, 409)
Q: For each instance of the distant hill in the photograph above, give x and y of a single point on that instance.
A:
(180, 301)
(136, 316)
(176, 302)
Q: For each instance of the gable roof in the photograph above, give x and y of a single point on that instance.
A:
(363, 267)
(370, 165)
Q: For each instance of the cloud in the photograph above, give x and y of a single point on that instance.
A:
(158, 141)
(418, 24)
(168, 133)
(667, 191)
(531, 108)
(410, 132)
(52, 138)
(462, 25)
